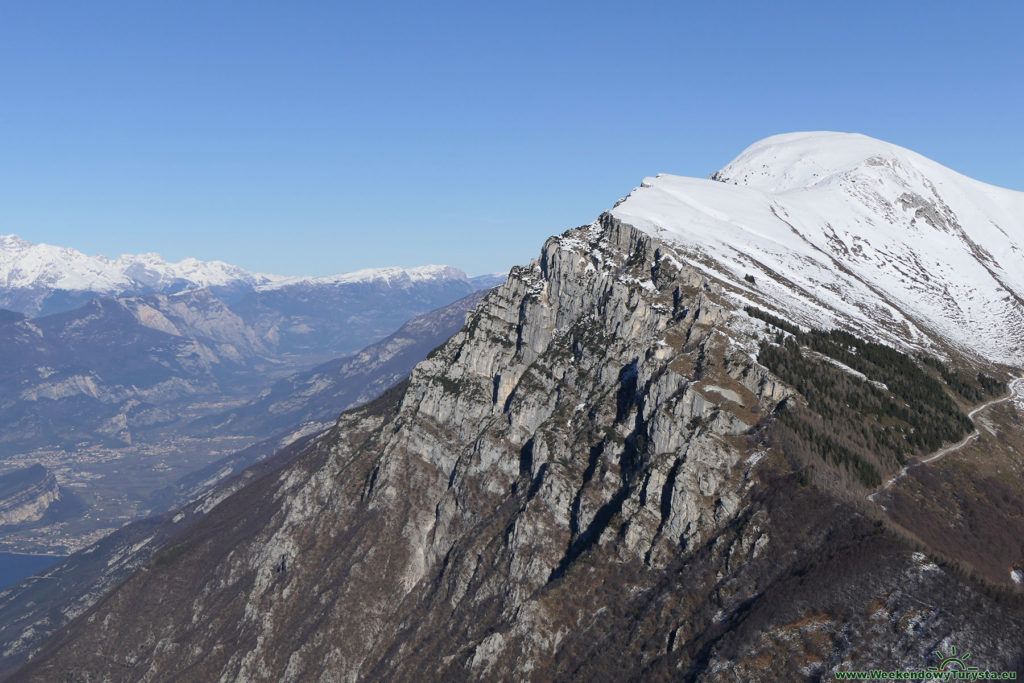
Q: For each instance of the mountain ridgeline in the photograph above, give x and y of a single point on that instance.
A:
(26, 494)
(614, 471)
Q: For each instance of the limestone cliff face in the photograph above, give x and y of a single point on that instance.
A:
(576, 484)
(26, 494)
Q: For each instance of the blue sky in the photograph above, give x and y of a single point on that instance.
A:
(322, 137)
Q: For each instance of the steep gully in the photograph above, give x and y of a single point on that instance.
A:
(1016, 391)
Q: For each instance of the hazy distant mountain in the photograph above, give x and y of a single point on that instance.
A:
(317, 319)
(101, 372)
(328, 389)
(110, 395)
(297, 409)
(117, 366)
(647, 457)
(309, 402)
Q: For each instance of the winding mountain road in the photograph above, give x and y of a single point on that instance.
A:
(1016, 390)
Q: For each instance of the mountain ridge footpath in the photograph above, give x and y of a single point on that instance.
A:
(1016, 392)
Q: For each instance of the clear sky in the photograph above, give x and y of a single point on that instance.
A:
(309, 137)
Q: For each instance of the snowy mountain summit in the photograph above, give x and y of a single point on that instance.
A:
(839, 229)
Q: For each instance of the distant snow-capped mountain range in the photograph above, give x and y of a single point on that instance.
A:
(394, 276)
(40, 278)
(25, 265)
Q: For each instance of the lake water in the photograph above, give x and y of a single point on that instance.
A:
(15, 567)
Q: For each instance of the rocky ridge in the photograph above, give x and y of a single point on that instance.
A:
(26, 494)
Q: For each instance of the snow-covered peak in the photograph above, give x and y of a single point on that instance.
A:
(12, 243)
(842, 229)
(391, 276)
(796, 161)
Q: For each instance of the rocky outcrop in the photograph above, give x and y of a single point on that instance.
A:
(26, 494)
(575, 485)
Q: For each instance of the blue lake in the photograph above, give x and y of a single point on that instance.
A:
(14, 567)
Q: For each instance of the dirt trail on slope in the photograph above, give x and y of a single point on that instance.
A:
(1016, 390)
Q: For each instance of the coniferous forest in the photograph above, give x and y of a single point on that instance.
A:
(868, 426)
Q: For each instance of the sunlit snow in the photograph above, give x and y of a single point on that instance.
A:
(844, 229)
